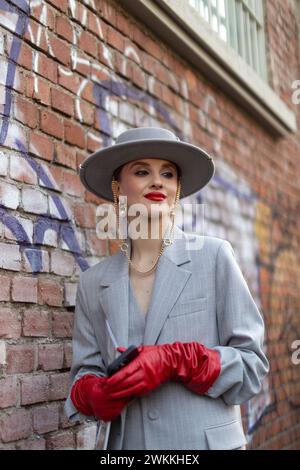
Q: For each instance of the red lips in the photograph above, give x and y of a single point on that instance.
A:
(155, 196)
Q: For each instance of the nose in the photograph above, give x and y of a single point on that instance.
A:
(157, 182)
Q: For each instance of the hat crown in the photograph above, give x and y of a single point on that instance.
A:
(144, 133)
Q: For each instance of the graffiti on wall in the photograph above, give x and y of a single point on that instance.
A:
(232, 206)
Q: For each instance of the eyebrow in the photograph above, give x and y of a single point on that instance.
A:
(147, 164)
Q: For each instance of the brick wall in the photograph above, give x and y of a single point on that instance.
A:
(73, 75)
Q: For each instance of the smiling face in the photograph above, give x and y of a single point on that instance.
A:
(140, 177)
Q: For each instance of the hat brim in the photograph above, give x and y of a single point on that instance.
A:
(197, 167)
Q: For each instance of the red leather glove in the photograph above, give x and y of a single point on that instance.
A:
(90, 396)
(193, 364)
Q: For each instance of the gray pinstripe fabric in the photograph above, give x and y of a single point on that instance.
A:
(134, 429)
(198, 295)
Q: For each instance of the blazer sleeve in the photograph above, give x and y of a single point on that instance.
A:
(86, 356)
(241, 333)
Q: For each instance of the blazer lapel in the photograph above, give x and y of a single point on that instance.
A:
(170, 279)
(114, 300)
(169, 282)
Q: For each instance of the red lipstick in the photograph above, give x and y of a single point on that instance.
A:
(155, 196)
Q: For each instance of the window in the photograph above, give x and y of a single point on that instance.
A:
(225, 40)
(240, 23)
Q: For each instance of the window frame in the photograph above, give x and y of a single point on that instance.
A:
(178, 26)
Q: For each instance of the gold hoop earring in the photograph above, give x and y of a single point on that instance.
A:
(169, 241)
(120, 210)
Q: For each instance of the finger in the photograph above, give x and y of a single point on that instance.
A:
(122, 374)
(134, 389)
(135, 377)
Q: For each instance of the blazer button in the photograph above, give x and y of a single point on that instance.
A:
(153, 414)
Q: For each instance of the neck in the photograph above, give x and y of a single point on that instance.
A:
(147, 249)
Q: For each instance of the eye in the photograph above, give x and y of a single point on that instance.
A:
(169, 173)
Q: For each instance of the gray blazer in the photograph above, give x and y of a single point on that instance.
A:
(199, 294)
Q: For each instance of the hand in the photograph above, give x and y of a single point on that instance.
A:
(193, 364)
(144, 373)
(91, 397)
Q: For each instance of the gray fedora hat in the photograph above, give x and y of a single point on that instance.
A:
(196, 166)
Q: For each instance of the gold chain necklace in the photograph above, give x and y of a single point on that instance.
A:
(165, 241)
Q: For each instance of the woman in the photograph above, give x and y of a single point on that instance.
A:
(199, 332)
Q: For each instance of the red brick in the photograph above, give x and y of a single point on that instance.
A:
(10, 323)
(107, 11)
(64, 28)
(88, 43)
(61, 5)
(154, 48)
(59, 386)
(124, 25)
(90, 197)
(35, 323)
(51, 356)
(41, 145)
(11, 446)
(50, 292)
(55, 180)
(96, 26)
(70, 294)
(95, 246)
(92, 144)
(148, 62)
(16, 425)
(19, 83)
(87, 112)
(62, 441)
(88, 93)
(45, 418)
(167, 96)
(34, 389)
(25, 112)
(63, 324)
(63, 419)
(67, 355)
(36, 443)
(25, 56)
(46, 20)
(52, 124)
(72, 184)
(62, 102)
(39, 92)
(20, 358)
(5, 283)
(24, 289)
(62, 263)
(80, 157)
(20, 170)
(138, 77)
(85, 215)
(8, 392)
(47, 68)
(74, 134)
(61, 50)
(85, 437)
(69, 81)
(65, 155)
